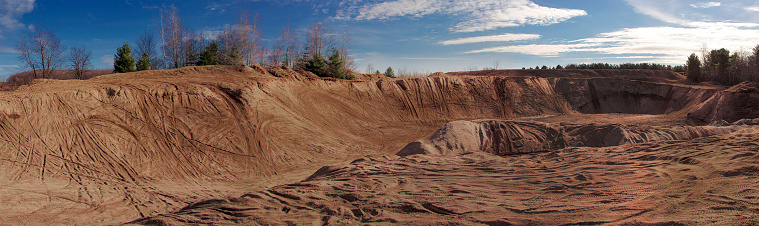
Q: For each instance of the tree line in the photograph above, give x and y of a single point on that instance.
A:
(719, 65)
(319, 50)
(641, 66)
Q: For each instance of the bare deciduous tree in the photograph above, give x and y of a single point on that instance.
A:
(41, 49)
(26, 52)
(79, 57)
(318, 40)
(249, 37)
(146, 43)
(370, 68)
(705, 66)
(261, 53)
(230, 47)
(345, 47)
(193, 45)
(173, 35)
(290, 44)
(277, 53)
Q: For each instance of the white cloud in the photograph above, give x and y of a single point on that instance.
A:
(731, 25)
(705, 5)
(477, 15)
(493, 38)
(660, 44)
(12, 10)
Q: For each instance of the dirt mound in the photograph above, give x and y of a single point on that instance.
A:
(738, 102)
(703, 181)
(506, 137)
(491, 136)
(438, 74)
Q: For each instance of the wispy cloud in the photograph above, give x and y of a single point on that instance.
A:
(705, 5)
(145, 6)
(8, 70)
(6, 49)
(661, 44)
(430, 58)
(106, 59)
(213, 32)
(492, 38)
(724, 25)
(221, 7)
(477, 15)
(12, 10)
(535, 49)
(683, 12)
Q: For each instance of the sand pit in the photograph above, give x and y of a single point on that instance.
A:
(234, 144)
(704, 181)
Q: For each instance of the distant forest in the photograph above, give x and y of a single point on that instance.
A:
(719, 65)
(645, 66)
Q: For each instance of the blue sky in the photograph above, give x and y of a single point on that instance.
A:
(423, 35)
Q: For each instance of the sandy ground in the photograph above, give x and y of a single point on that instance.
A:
(704, 181)
(241, 144)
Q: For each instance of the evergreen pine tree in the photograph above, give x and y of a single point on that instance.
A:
(317, 65)
(123, 61)
(389, 72)
(377, 72)
(208, 57)
(335, 65)
(144, 62)
(693, 66)
(235, 57)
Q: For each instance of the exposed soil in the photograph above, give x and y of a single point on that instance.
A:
(237, 144)
(704, 181)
